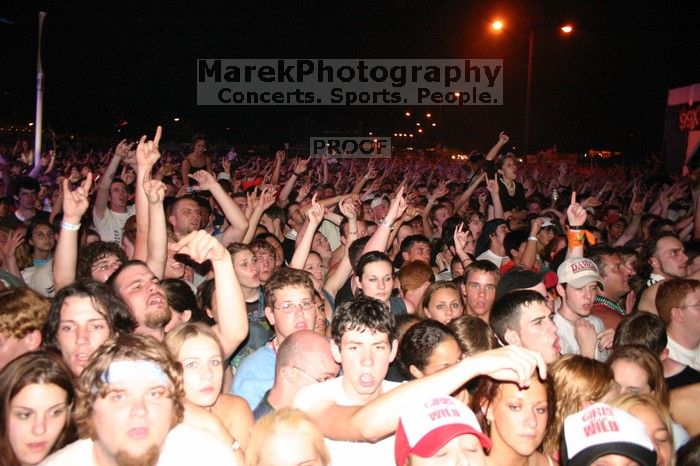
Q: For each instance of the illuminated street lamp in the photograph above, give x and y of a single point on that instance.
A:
(496, 27)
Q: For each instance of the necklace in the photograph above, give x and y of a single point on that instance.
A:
(512, 184)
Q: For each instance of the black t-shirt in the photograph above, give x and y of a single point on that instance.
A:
(11, 220)
(516, 201)
(687, 376)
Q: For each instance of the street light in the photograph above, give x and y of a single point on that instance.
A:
(497, 26)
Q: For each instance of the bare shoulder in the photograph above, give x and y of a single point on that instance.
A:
(648, 299)
(231, 403)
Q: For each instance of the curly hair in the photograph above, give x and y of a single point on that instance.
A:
(94, 252)
(129, 347)
(23, 311)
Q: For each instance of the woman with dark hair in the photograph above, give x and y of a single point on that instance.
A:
(84, 315)
(36, 396)
(425, 349)
(183, 303)
(374, 278)
(196, 160)
(516, 419)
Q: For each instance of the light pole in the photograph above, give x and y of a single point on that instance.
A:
(497, 26)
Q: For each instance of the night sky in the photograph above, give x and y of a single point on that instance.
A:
(604, 86)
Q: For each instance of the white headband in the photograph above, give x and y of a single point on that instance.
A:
(126, 370)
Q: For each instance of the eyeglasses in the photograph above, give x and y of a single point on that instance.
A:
(294, 307)
(308, 375)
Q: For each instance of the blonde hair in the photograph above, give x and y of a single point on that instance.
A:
(23, 311)
(183, 332)
(129, 347)
(578, 380)
(285, 420)
(628, 401)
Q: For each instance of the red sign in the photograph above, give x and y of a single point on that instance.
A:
(689, 117)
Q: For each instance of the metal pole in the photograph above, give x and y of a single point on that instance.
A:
(528, 95)
(38, 121)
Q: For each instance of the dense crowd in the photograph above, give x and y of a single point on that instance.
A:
(417, 310)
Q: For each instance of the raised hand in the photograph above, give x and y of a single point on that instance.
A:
(315, 212)
(503, 138)
(461, 237)
(440, 191)
(226, 165)
(155, 191)
(267, 198)
(205, 179)
(347, 208)
(301, 166)
(280, 155)
(575, 213)
(201, 246)
(122, 149)
(536, 226)
(76, 203)
(397, 206)
(492, 185)
(14, 239)
(147, 153)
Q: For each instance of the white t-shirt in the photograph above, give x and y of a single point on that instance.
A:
(111, 226)
(492, 257)
(567, 338)
(184, 445)
(689, 357)
(348, 453)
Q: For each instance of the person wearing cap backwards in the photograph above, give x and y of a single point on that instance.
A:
(601, 435)
(440, 431)
(489, 246)
(129, 409)
(579, 331)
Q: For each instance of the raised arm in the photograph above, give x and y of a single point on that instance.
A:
(232, 318)
(75, 204)
(267, 198)
(299, 169)
(530, 253)
(238, 223)
(464, 198)
(279, 158)
(502, 141)
(576, 215)
(147, 155)
(379, 241)
(314, 217)
(102, 197)
(492, 186)
(157, 227)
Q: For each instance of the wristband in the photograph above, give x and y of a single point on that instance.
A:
(576, 227)
(578, 237)
(390, 226)
(70, 226)
(532, 238)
